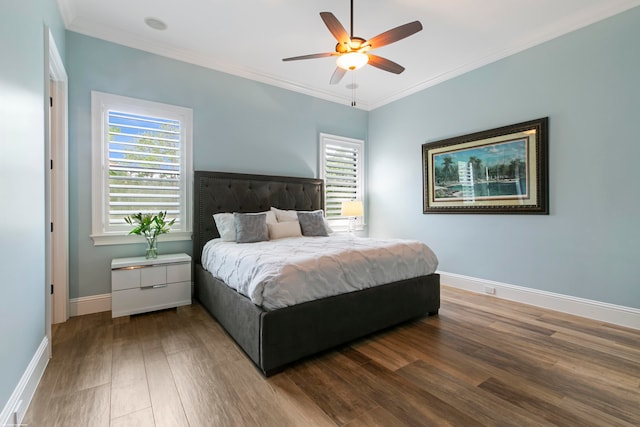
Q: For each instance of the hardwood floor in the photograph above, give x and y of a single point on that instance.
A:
(482, 362)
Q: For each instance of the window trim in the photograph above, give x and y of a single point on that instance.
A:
(101, 103)
(341, 223)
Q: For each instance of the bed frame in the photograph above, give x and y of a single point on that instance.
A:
(274, 339)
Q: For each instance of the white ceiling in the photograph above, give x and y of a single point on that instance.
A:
(249, 38)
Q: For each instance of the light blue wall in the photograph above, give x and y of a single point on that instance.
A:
(587, 82)
(22, 182)
(239, 126)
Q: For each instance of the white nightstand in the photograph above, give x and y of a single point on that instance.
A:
(139, 284)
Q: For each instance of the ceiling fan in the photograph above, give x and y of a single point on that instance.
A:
(353, 52)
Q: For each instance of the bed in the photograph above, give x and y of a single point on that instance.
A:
(273, 339)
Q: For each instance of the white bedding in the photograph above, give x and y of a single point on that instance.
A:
(284, 272)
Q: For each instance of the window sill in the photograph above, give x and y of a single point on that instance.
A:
(127, 239)
(345, 229)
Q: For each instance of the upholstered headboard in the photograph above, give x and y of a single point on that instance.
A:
(216, 192)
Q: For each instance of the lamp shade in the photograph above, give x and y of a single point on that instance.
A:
(352, 60)
(352, 208)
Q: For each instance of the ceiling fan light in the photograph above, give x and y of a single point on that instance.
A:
(352, 61)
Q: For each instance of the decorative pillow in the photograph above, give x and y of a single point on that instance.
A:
(226, 226)
(312, 223)
(251, 228)
(284, 216)
(281, 230)
(326, 223)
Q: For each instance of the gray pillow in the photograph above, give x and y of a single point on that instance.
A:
(312, 223)
(251, 228)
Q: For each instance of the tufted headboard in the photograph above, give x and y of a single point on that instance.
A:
(216, 192)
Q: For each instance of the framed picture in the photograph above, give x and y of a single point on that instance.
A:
(501, 171)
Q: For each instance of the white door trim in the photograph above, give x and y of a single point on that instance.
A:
(59, 185)
(17, 405)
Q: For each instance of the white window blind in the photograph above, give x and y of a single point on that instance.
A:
(142, 163)
(342, 168)
(144, 166)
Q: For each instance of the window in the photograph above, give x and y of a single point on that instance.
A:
(141, 163)
(342, 168)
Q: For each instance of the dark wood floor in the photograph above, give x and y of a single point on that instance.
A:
(482, 361)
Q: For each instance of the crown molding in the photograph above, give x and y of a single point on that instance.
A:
(68, 11)
(588, 17)
(607, 11)
(192, 57)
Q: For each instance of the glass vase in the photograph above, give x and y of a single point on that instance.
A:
(152, 247)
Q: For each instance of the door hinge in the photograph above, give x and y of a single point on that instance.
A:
(52, 289)
(51, 164)
(51, 101)
(52, 227)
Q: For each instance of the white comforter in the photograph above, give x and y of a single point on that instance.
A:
(284, 272)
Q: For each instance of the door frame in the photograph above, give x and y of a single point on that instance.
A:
(58, 187)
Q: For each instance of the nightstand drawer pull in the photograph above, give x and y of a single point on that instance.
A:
(137, 267)
(154, 286)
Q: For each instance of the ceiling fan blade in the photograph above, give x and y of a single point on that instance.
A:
(338, 74)
(312, 56)
(335, 27)
(394, 34)
(385, 64)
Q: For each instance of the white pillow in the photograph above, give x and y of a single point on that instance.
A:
(329, 229)
(281, 230)
(284, 216)
(271, 217)
(226, 226)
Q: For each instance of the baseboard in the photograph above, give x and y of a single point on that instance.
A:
(609, 313)
(15, 409)
(89, 305)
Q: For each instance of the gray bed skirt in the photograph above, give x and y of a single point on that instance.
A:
(274, 339)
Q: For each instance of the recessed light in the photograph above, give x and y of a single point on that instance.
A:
(155, 23)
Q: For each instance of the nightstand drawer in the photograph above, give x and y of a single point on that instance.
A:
(140, 277)
(142, 300)
(151, 276)
(125, 278)
(178, 272)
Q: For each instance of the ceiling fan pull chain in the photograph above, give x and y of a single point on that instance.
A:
(353, 89)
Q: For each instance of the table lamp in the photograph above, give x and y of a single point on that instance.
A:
(352, 209)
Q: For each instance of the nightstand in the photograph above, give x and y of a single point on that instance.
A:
(139, 284)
